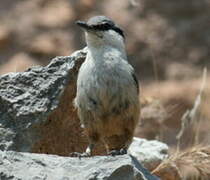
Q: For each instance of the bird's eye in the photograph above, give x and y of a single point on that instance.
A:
(105, 26)
(102, 27)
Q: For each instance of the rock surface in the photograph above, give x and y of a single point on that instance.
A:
(149, 153)
(36, 110)
(50, 167)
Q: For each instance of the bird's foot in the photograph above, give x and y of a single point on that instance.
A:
(118, 152)
(80, 155)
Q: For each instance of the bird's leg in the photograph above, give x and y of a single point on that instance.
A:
(118, 144)
(87, 153)
(89, 149)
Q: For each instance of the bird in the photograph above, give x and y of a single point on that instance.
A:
(107, 97)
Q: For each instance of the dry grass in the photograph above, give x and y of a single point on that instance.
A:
(192, 164)
(191, 116)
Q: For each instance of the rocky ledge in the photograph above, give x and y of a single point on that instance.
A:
(29, 166)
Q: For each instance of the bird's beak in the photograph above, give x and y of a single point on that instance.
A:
(83, 25)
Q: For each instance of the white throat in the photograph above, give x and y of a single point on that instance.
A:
(110, 45)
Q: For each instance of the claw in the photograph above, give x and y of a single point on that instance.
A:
(123, 151)
(79, 155)
(87, 153)
(118, 152)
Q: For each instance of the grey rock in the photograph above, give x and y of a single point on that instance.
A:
(29, 166)
(149, 153)
(28, 98)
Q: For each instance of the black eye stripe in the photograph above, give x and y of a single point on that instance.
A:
(118, 30)
(106, 26)
(101, 27)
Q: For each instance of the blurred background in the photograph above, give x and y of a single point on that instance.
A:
(168, 43)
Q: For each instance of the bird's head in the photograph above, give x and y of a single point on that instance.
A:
(102, 31)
